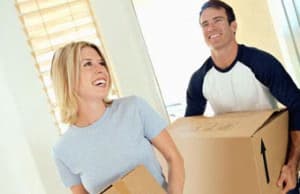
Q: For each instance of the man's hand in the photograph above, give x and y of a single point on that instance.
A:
(288, 178)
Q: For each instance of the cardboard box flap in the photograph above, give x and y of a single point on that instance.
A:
(225, 125)
(136, 181)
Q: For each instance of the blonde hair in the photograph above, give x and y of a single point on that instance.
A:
(65, 77)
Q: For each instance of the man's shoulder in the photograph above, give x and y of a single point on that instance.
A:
(205, 67)
(250, 51)
(252, 56)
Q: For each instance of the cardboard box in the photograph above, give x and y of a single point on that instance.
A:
(138, 181)
(232, 153)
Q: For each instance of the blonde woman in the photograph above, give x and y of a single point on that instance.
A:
(106, 139)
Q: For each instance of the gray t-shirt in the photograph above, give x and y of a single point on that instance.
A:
(99, 154)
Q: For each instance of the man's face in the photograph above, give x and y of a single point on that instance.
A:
(217, 32)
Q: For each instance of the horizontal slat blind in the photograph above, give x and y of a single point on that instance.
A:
(50, 24)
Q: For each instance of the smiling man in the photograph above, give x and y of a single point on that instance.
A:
(240, 78)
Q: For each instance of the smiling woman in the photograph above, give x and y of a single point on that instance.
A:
(128, 127)
(84, 77)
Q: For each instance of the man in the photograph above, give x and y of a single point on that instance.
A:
(239, 78)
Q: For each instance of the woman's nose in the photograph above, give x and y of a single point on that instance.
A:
(99, 68)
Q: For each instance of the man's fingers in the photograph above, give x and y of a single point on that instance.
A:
(281, 180)
(287, 183)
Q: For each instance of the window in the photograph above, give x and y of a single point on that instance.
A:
(174, 40)
(50, 25)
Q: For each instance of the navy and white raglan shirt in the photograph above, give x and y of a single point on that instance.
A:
(254, 81)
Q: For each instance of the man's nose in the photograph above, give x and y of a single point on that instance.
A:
(210, 26)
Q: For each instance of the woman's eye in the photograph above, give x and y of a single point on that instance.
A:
(102, 63)
(87, 64)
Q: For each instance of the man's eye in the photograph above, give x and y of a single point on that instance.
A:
(218, 19)
(204, 25)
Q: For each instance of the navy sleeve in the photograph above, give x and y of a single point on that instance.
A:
(269, 71)
(195, 100)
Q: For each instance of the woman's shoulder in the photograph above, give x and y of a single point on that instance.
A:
(127, 100)
(128, 103)
(65, 140)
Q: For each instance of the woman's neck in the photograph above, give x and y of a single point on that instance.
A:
(89, 112)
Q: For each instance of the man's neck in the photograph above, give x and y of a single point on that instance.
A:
(224, 57)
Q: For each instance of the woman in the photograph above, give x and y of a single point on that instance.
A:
(106, 139)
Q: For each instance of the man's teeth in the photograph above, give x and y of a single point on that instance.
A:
(214, 36)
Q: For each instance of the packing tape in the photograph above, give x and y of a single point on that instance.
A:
(121, 187)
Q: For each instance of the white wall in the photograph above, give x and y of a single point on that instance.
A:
(255, 25)
(27, 129)
(18, 171)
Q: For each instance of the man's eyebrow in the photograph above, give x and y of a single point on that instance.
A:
(218, 17)
(203, 22)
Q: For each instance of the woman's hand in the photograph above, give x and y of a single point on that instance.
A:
(78, 189)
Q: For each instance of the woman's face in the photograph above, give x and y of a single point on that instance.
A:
(93, 76)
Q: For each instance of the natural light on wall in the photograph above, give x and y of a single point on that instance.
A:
(49, 25)
(175, 45)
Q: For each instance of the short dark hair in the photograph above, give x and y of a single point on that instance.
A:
(217, 4)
